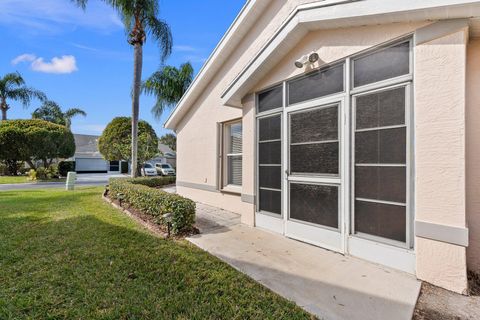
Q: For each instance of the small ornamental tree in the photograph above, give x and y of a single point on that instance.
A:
(169, 140)
(32, 140)
(116, 140)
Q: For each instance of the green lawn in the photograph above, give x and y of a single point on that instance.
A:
(71, 256)
(12, 179)
(23, 179)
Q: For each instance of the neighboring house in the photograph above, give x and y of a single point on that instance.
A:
(89, 160)
(167, 155)
(372, 149)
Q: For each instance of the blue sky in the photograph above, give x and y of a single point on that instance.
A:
(81, 59)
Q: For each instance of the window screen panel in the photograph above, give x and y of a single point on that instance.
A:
(383, 220)
(381, 109)
(270, 201)
(270, 177)
(270, 152)
(318, 158)
(381, 65)
(316, 84)
(381, 183)
(315, 125)
(316, 204)
(381, 146)
(271, 99)
(235, 138)
(269, 128)
(234, 170)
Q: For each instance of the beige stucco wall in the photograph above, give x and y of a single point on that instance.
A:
(197, 131)
(440, 193)
(333, 45)
(473, 153)
(440, 67)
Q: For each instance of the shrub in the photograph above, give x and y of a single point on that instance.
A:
(52, 172)
(154, 182)
(3, 169)
(138, 194)
(65, 166)
(40, 173)
(23, 170)
(32, 140)
(32, 175)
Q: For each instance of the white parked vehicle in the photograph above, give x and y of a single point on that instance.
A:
(165, 169)
(148, 170)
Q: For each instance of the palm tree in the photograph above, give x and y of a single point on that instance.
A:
(51, 111)
(168, 84)
(141, 19)
(12, 87)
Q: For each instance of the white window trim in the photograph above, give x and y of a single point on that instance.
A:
(224, 147)
(348, 94)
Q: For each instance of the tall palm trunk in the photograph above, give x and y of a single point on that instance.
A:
(3, 106)
(137, 78)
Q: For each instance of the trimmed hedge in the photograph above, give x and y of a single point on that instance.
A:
(154, 181)
(141, 195)
(65, 166)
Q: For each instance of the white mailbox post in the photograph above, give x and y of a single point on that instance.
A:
(70, 184)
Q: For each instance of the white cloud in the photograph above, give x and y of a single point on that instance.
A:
(24, 57)
(183, 48)
(196, 58)
(88, 128)
(54, 16)
(64, 64)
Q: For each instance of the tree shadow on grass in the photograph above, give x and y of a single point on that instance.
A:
(84, 267)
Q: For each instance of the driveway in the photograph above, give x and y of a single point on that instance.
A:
(83, 179)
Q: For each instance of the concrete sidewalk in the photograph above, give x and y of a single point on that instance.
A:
(327, 284)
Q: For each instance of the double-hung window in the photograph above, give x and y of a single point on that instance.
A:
(232, 154)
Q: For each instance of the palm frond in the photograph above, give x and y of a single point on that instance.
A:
(161, 33)
(25, 95)
(72, 112)
(168, 85)
(81, 3)
(49, 111)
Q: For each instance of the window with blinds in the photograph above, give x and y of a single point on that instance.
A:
(232, 162)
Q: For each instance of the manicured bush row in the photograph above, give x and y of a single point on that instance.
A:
(138, 194)
(154, 181)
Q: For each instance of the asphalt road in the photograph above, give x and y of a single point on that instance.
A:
(83, 180)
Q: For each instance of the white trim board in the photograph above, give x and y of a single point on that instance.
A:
(439, 232)
(317, 17)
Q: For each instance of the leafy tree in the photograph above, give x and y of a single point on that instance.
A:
(116, 139)
(168, 85)
(170, 140)
(141, 19)
(51, 111)
(33, 140)
(12, 87)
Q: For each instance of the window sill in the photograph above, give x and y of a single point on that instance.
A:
(232, 189)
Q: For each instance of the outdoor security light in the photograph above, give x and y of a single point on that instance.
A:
(313, 57)
(308, 58)
(302, 61)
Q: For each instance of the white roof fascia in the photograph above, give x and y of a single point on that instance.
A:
(329, 15)
(242, 23)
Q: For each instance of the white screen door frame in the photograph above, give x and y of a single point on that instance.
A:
(323, 236)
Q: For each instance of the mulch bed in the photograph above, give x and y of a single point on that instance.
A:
(148, 221)
(474, 283)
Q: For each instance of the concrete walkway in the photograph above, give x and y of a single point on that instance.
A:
(327, 284)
